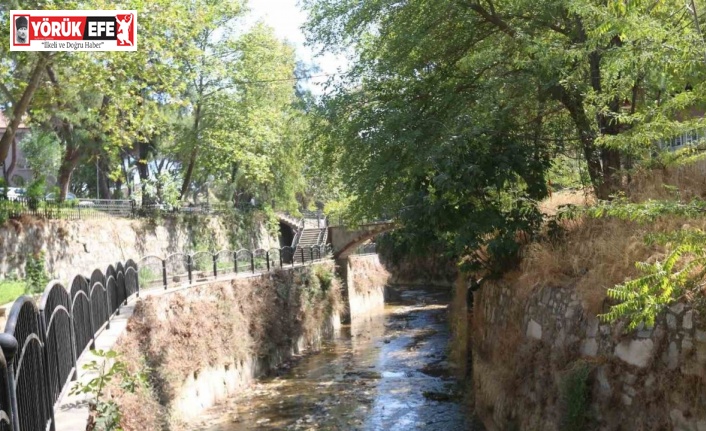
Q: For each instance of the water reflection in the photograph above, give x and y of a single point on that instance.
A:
(385, 372)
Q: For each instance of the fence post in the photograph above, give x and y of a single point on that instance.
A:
(252, 262)
(90, 315)
(8, 343)
(47, 377)
(235, 261)
(164, 273)
(267, 256)
(302, 253)
(107, 301)
(215, 266)
(311, 254)
(188, 267)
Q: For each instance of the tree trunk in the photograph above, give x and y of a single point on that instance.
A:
(20, 108)
(610, 159)
(192, 156)
(11, 169)
(573, 102)
(103, 179)
(123, 158)
(118, 193)
(69, 162)
(65, 171)
(143, 171)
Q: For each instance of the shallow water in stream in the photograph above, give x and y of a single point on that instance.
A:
(388, 373)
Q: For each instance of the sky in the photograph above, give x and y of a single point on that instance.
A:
(286, 17)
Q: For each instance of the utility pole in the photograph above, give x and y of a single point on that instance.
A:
(98, 188)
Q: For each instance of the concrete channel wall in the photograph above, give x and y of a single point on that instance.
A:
(365, 279)
(207, 342)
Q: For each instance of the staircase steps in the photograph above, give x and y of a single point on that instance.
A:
(308, 238)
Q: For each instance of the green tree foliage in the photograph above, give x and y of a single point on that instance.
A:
(201, 103)
(254, 131)
(453, 110)
(681, 272)
(42, 150)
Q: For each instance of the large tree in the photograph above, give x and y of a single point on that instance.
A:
(253, 132)
(451, 110)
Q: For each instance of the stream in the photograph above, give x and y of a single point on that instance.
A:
(386, 373)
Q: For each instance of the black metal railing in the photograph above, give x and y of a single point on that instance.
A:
(84, 209)
(180, 268)
(42, 344)
(343, 221)
(370, 248)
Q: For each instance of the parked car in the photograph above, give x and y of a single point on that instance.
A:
(70, 197)
(53, 196)
(15, 193)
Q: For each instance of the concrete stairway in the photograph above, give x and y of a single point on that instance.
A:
(309, 237)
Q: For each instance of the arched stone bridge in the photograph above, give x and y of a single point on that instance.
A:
(345, 240)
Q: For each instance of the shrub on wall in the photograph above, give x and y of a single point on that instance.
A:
(35, 273)
(575, 397)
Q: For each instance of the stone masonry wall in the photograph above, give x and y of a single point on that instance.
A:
(72, 247)
(526, 350)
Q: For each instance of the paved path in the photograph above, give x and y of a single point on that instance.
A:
(71, 411)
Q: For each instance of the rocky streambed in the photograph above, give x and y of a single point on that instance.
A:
(389, 372)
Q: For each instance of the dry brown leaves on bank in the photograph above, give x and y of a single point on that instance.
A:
(182, 333)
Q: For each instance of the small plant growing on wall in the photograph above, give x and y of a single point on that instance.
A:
(36, 274)
(105, 414)
(575, 397)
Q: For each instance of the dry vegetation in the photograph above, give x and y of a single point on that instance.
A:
(566, 197)
(597, 254)
(688, 179)
(594, 254)
(183, 333)
(368, 275)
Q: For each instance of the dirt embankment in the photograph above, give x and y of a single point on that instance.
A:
(223, 326)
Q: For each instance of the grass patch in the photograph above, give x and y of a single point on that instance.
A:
(11, 290)
(575, 397)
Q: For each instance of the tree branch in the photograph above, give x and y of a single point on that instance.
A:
(492, 18)
(7, 93)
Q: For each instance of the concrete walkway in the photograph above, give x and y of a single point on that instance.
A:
(71, 411)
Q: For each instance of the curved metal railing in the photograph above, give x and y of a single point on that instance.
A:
(42, 343)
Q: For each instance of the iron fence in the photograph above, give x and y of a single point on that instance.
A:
(370, 248)
(43, 343)
(179, 268)
(83, 209)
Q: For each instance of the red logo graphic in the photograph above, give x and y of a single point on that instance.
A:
(126, 31)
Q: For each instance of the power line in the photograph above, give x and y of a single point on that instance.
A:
(302, 78)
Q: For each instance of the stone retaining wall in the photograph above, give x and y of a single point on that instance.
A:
(72, 247)
(528, 351)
